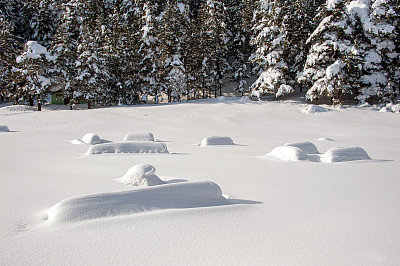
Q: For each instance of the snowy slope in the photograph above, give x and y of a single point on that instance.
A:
(273, 212)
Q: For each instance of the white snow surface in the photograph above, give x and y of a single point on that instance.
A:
(283, 213)
(216, 140)
(139, 137)
(288, 153)
(141, 175)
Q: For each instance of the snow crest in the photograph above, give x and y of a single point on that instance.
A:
(4, 128)
(139, 136)
(214, 140)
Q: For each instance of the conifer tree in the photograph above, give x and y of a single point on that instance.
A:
(333, 64)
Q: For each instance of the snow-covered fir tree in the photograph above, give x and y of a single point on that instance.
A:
(380, 77)
(149, 52)
(333, 63)
(214, 44)
(174, 24)
(271, 43)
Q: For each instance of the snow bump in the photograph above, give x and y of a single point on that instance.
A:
(139, 137)
(306, 147)
(141, 175)
(171, 196)
(91, 139)
(288, 153)
(344, 155)
(4, 128)
(128, 147)
(214, 140)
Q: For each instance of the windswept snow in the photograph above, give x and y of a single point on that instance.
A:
(4, 128)
(141, 175)
(171, 196)
(139, 137)
(128, 147)
(215, 140)
(307, 212)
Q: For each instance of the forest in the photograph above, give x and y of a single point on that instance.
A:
(122, 51)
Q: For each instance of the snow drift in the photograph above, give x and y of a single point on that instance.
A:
(344, 154)
(214, 140)
(288, 153)
(312, 109)
(139, 137)
(4, 128)
(141, 175)
(306, 147)
(91, 138)
(172, 196)
(128, 147)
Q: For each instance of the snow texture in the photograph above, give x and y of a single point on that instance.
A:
(344, 155)
(128, 147)
(91, 139)
(306, 147)
(34, 51)
(4, 128)
(214, 140)
(171, 196)
(141, 175)
(139, 137)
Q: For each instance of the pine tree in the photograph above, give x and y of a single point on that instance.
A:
(333, 64)
(271, 42)
(9, 46)
(149, 67)
(380, 80)
(214, 44)
(172, 38)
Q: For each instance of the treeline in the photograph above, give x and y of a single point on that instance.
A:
(123, 50)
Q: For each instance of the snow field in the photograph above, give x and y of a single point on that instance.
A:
(170, 196)
(215, 140)
(318, 213)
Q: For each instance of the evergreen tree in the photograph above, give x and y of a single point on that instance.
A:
(271, 42)
(173, 36)
(333, 64)
(214, 44)
(380, 70)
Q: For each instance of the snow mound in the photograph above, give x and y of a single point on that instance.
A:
(4, 128)
(306, 147)
(139, 137)
(141, 175)
(312, 109)
(171, 196)
(344, 154)
(128, 147)
(91, 138)
(390, 107)
(324, 139)
(288, 153)
(213, 140)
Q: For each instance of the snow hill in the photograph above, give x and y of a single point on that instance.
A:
(61, 206)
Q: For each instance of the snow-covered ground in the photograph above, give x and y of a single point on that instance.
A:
(216, 205)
